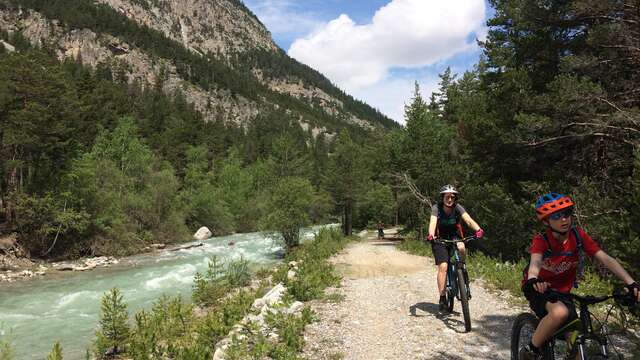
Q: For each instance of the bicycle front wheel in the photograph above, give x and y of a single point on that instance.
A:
(521, 333)
(464, 299)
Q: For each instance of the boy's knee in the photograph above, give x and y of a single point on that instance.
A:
(559, 313)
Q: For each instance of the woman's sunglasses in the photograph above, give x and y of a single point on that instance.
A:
(561, 214)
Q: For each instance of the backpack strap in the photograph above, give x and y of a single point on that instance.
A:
(580, 248)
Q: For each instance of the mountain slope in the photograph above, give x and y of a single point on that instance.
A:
(215, 52)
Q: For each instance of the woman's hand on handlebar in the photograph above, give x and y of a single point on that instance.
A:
(430, 237)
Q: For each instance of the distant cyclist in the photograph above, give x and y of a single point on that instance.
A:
(556, 261)
(445, 223)
(380, 230)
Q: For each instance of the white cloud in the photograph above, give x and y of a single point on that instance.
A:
(403, 33)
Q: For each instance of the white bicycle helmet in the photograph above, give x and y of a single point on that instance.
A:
(448, 189)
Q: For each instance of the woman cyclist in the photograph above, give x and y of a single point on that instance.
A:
(445, 223)
(555, 262)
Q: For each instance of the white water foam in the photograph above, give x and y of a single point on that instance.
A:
(182, 274)
(70, 298)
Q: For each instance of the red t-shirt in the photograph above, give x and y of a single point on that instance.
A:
(560, 271)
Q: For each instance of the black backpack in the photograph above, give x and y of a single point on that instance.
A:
(550, 253)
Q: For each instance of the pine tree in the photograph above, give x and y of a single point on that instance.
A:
(56, 352)
(114, 330)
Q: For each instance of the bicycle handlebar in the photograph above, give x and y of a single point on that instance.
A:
(454, 241)
(621, 297)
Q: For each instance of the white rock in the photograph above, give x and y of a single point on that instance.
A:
(274, 295)
(202, 233)
(219, 354)
(7, 46)
(295, 308)
(291, 275)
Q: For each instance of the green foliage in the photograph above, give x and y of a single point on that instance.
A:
(509, 223)
(235, 184)
(113, 331)
(314, 273)
(346, 176)
(502, 275)
(289, 329)
(130, 195)
(220, 319)
(56, 352)
(288, 346)
(288, 209)
(377, 203)
(44, 219)
(203, 199)
(165, 331)
(219, 279)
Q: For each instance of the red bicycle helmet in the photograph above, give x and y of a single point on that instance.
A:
(549, 203)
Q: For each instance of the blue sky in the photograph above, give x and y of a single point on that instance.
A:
(376, 49)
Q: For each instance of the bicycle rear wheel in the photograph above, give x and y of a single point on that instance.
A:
(464, 300)
(521, 333)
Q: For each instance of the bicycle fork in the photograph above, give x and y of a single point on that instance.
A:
(461, 265)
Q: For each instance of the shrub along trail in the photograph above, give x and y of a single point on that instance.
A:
(387, 308)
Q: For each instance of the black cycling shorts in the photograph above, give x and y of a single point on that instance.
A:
(440, 252)
(538, 302)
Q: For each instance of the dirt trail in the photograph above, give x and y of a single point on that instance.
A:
(386, 308)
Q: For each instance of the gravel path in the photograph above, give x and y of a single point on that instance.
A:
(387, 308)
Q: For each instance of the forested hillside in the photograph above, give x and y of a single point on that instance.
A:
(551, 106)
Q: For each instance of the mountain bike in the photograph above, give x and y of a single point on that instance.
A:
(578, 339)
(457, 285)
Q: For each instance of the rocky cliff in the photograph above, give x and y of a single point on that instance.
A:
(222, 31)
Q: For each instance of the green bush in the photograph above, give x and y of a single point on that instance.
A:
(220, 277)
(221, 317)
(113, 331)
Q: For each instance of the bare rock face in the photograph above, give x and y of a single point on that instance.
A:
(220, 28)
(203, 26)
(92, 49)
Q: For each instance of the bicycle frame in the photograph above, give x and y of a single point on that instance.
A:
(581, 329)
(454, 262)
(452, 276)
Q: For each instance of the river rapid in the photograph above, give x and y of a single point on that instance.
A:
(65, 307)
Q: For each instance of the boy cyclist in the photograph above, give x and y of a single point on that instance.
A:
(445, 223)
(555, 262)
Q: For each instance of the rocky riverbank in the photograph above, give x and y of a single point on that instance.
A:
(15, 263)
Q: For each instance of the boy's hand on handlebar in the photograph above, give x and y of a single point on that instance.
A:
(541, 287)
(634, 288)
(535, 285)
